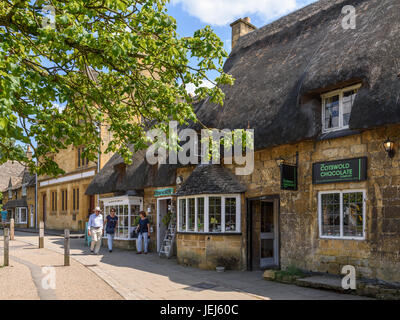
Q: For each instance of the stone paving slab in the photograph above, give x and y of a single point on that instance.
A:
(148, 277)
(24, 278)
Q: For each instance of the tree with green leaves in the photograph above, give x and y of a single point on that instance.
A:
(69, 66)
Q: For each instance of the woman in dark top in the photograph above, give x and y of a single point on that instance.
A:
(110, 225)
(144, 232)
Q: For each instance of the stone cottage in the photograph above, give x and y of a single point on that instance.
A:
(19, 199)
(324, 104)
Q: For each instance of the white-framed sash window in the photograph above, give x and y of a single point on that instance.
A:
(336, 108)
(22, 215)
(209, 213)
(341, 214)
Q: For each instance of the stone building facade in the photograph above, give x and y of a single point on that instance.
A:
(375, 255)
(62, 202)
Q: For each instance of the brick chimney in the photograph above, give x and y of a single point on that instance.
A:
(241, 27)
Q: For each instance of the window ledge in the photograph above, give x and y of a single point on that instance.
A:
(337, 134)
(211, 233)
(342, 238)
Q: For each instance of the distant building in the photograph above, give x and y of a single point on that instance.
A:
(19, 200)
(62, 202)
(19, 194)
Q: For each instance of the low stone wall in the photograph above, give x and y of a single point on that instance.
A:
(122, 244)
(207, 251)
(365, 287)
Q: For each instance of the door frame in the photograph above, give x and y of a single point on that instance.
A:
(32, 217)
(249, 228)
(159, 220)
(44, 208)
(275, 237)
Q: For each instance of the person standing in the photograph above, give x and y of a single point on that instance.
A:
(144, 232)
(95, 230)
(110, 224)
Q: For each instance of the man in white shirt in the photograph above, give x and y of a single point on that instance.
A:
(95, 230)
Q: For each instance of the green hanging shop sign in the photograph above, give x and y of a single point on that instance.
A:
(288, 177)
(164, 192)
(347, 170)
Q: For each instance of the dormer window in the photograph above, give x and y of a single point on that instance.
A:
(10, 194)
(336, 108)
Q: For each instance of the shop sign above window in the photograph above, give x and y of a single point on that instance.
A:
(348, 170)
(164, 192)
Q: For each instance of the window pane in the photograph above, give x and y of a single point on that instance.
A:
(182, 214)
(267, 248)
(230, 214)
(353, 207)
(332, 112)
(191, 220)
(135, 209)
(215, 214)
(330, 214)
(200, 214)
(348, 100)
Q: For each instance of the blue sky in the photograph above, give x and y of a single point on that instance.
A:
(192, 15)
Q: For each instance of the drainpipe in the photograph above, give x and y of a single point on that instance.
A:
(98, 164)
(98, 170)
(36, 202)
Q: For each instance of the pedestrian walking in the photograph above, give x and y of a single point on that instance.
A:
(95, 230)
(144, 233)
(110, 225)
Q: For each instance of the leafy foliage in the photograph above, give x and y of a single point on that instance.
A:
(107, 63)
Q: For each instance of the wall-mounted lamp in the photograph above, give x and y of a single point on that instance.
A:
(280, 161)
(389, 148)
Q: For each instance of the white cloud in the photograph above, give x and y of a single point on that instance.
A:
(223, 12)
(191, 87)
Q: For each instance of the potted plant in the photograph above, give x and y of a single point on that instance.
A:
(167, 219)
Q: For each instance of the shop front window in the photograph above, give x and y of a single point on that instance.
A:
(182, 215)
(135, 217)
(214, 213)
(342, 214)
(191, 214)
(127, 213)
(200, 214)
(211, 214)
(230, 214)
(22, 215)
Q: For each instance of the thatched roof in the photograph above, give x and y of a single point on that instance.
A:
(137, 176)
(210, 179)
(10, 170)
(282, 68)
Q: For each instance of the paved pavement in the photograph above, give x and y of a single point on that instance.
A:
(148, 277)
(29, 277)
